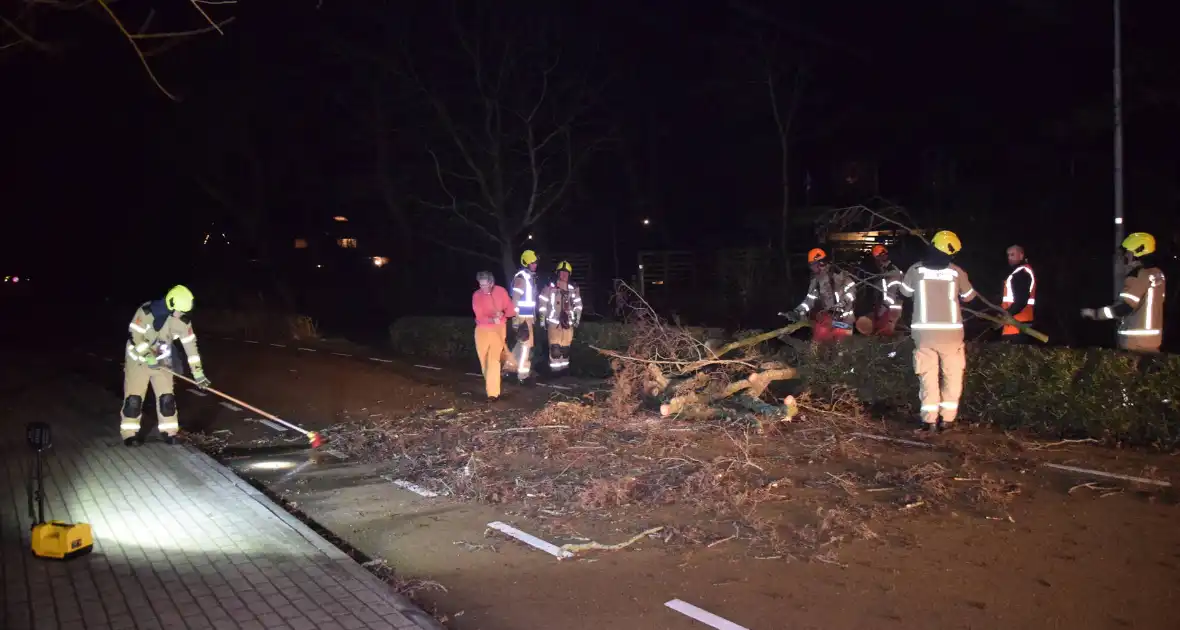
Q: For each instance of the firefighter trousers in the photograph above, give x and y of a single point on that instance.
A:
(490, 342)
(559, 347)
(940, 399)
(521, 358)
(136, 378)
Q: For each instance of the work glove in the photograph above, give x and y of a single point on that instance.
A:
(1089, 313)
(792, 316)
(149, 360)
(522, 332)
(200, 378)
(564, 319)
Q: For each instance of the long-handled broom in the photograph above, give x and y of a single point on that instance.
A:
(312, 437)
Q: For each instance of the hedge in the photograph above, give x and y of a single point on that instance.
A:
(1063, 392)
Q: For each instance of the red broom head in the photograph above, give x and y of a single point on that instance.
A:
(316, 440)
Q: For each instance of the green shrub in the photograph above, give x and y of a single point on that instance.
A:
(1095, 392)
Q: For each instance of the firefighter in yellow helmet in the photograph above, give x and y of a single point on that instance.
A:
(937, 285)
(154, 328)
(560, 307)
(830, 298)
(524, 298)
(1140, 305)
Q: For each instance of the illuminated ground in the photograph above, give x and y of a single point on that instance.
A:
(1081, 559)
(181, 541)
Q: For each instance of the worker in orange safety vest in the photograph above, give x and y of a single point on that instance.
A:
(1020, 295)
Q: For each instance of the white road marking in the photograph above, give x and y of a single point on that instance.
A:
(474, 374)
(197, 392)
(1099, 473)
(411, 486)
(886, 438)
(428, 367)
(380, 360)
(554, 386)
(248, 341)
(229, 339)
(531, 540)
(230, 406)
(703, 616)
(341, 354)
(306, 349)
(274, 425)
(91, 354)
(278, 345)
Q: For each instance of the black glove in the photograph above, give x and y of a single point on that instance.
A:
(522, 332)
(564, 320)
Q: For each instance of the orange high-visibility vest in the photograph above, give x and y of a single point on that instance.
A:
(1026, 314)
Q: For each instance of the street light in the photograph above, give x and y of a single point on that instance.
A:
(1118, 144)
(647, 221)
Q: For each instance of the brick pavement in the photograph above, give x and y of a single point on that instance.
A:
(181, 542)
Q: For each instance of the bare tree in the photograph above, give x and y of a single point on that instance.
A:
(150, 28)
(785, 88)
(510, 161)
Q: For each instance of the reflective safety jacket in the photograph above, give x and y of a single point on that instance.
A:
(1020, 295)
(555, 300)
(524, 294)
(937, 317)
(891, 287)
(154, 335)
(834, 291)
(1140, 308)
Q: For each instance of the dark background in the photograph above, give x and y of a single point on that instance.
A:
(989, 118)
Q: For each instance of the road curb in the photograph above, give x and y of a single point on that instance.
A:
(400, 602)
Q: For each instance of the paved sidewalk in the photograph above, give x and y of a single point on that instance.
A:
(181, 542)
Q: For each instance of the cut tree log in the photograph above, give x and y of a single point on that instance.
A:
(753, 386)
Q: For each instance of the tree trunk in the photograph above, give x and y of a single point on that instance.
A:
(508, 260)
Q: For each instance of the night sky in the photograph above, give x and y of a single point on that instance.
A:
(102, 168)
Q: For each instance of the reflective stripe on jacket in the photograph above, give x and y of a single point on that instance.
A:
(834, 290)
(524, 294)
(1025, 314)
(554, 300)
(1143, 291)
(937, 316)
(144, 337)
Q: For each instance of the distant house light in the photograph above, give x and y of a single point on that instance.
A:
(340, 219)
(346, 243)
(300, 243)
(380, 261)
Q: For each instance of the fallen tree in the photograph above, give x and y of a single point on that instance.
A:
(689, 376)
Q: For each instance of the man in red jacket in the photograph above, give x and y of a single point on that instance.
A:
(492, 308)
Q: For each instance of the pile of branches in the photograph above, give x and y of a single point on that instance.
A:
(688, 375)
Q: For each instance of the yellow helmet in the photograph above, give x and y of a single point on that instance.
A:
(1139, 244)
(179, 298)
(565, 266)
(947, 242)
(528, 257)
